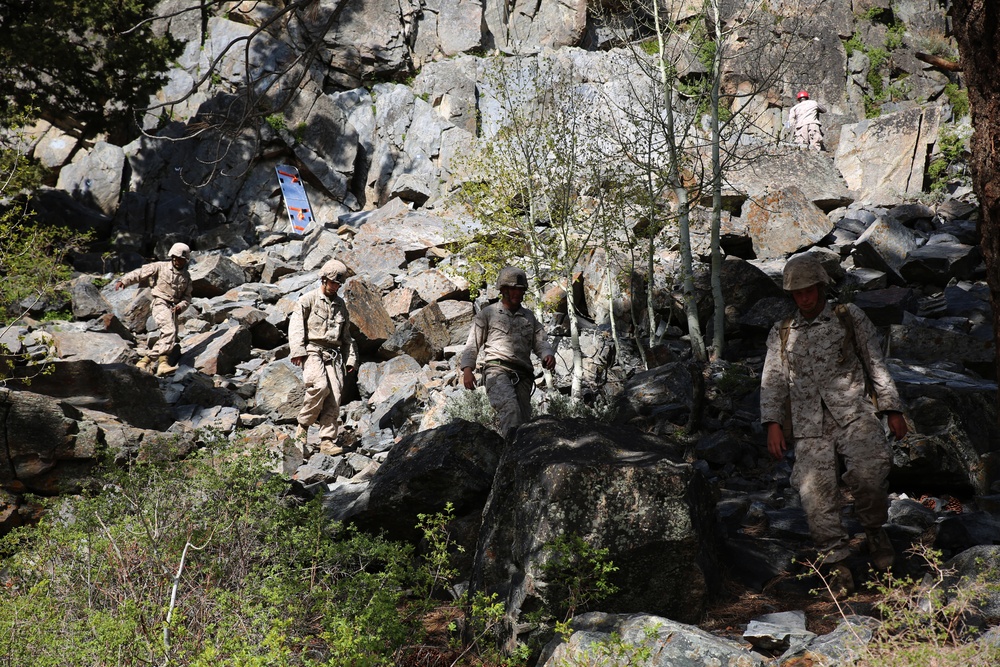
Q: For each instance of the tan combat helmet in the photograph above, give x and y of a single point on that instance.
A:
(511, 276)
(802, 271)
(180, 250)
(334, 270)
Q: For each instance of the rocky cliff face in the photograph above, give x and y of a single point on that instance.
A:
(378, 125)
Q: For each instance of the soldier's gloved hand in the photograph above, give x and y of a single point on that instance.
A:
(549, 362)
(897, 424)
(468, 379)
(776, 445)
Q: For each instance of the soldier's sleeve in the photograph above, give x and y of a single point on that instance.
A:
(793, 116)
(185, 300)
(142, 273)
(774, 380)
(541, 343)
(867, 338)
(820, 108)
(297, 337)
(348, 343)
(476, 340)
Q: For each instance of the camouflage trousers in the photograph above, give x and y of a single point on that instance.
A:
(867, 459)
(809, 135)
(510, 395)
(323, 376)
(166, 321)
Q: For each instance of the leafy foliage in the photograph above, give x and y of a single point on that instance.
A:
(951, 161)
(958, 98)
(578, 574)
(84, 65)
(200, 563)
(926, 623)
(31, 256)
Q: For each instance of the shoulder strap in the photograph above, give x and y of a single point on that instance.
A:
(783, 331)
(850, 338)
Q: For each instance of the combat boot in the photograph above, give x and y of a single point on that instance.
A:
(144, 364)
(880, 549)
(330, 447)
(164, 366)
(840, 581)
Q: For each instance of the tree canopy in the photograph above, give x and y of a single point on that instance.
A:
(83, 65)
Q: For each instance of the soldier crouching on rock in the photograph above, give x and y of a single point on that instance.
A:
(507, 333)
(170, 285)
(819, 365)
(320, 341)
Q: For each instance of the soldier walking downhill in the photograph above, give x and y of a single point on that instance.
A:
(815, 374)
(171, 294)
(506, 332)
(320, 340)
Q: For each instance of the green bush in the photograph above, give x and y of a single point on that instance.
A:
(471, 406)
(949, 163)
(202, 562)
(959, 100)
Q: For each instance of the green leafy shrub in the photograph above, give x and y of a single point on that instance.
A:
(950, 161)
(471, 406)
(578, 575)
(201, 562)
(958, 98)
(925, 623)
(276, 122)
(562, 406)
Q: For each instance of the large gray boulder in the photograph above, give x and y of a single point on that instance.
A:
(448, 28)
(616, 488)
(671, 644)
(454, 463)
(783, 222)
(96, 178)
(217, 351)
(215, 275)
(884, 246)
(526, 27)
(953, 443)
(883, 159)
(279, 392)
(370, 321)
(812, 172)
(124, 391)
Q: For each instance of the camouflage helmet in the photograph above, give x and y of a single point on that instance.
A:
(179, 250)
(334, 270)
(511, 276)
(803, 271)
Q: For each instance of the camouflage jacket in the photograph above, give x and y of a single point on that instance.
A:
(165, 281)
(321, 323)
(505, 337)
(821, 366)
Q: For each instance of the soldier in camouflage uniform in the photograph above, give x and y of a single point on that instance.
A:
(506, 332)
(815, 378)
(320, 342)
(170, 285)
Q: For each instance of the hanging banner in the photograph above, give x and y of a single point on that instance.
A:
(296, 201)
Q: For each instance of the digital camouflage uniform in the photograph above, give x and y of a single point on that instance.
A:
(170, 287)
(820, 376)
(506, 339)
(804, 118)
(319, 329)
